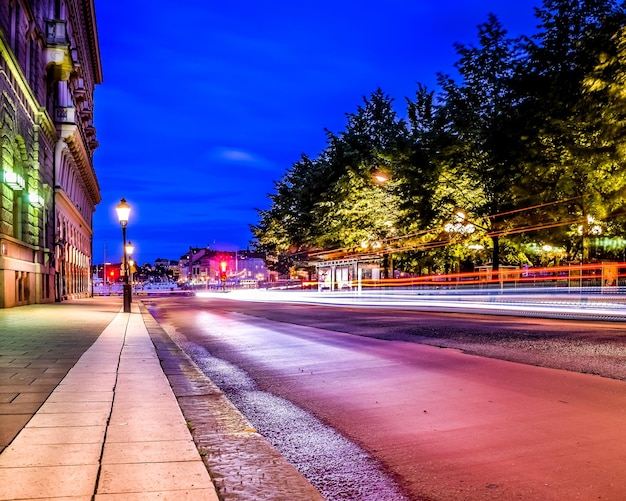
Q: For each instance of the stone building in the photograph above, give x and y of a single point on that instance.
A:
(49, 66)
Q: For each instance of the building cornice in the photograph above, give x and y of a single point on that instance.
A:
(92, 33)
(83, 16)
(83, 161)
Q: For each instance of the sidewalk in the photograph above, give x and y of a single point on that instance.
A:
(112, 429)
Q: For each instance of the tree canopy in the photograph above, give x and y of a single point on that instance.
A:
(526, 141)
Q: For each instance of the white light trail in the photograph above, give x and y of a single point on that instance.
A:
(546, 304)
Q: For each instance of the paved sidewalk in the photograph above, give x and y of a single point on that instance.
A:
(112, 429)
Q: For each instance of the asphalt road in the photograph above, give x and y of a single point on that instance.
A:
(507, 413)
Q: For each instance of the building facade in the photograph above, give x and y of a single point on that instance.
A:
(49, 67)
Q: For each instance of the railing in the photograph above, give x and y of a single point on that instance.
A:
(604, 277)
(65, 114)
(138, 290)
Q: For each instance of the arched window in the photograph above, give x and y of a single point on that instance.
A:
(13, 175)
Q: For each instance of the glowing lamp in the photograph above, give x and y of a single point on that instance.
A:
(380, 176)
(14, 180)
(123, 211)
(36, 200)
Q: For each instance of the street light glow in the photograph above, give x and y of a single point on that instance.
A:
(123, 211)
(459, 225)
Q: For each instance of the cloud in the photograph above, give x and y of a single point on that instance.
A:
(240, 157)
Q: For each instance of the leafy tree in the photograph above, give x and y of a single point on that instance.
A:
(355, 209)
(530, 121)
(604, 101)
(482, 155)
(284, 231)
(570, 155)
(420, 172)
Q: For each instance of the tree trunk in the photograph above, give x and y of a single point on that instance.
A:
(495, 260)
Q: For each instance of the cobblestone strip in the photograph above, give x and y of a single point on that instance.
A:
(242, 464)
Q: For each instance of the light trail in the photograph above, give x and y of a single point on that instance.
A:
(549, 303)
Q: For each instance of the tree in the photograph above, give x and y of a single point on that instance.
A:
(481, 157)
(356, 209)
(420, 171)
(570, 135)
(531, 123)
(285, 230)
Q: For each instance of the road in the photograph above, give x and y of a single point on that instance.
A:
(434, 398)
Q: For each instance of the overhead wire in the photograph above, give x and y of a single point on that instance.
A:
(350, 251)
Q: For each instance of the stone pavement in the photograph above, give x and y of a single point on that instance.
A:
(86, 411)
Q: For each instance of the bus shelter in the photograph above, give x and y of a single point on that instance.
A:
(347, 274)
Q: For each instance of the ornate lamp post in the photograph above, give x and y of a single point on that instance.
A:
(123, 211)
(588, 228)
(130, 248)
(460, 227)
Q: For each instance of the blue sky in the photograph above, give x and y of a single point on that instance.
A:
(205, 104)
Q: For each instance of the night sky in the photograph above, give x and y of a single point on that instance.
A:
(205, 105)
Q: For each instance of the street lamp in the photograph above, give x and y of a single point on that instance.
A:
(129, 252)
(380, 177)
(130, 248)
(588, 228)
(123, 211)
(459, 225)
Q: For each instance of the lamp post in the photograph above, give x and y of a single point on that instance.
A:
(123, 211)
(129, 252)
(589, 227)
(459, 227)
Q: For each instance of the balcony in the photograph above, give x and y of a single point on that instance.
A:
(57, 50)
(65, 115)
(56, 32)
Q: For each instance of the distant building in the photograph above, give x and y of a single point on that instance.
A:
(165, 263)
(205, 266)
(170, 266)
(49, 66)
(251, 266)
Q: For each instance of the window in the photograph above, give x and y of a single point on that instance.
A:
(17, 214)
